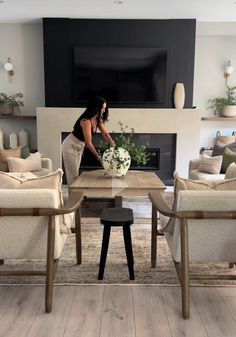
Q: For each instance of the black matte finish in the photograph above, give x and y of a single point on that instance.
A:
(117, 216)
(62, 35)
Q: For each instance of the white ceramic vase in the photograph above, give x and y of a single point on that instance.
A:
(13, 140)
(116, 161)
(23, 137)
(179, 96)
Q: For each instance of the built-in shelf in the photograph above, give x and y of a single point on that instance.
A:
(225, 119)
(17, 117)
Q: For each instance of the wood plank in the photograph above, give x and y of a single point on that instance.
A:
(215, 316)
(150, 317)
(118, 312)
(18, 318)
(180, 327)
(54, 324)
(7, 293)
(85, 314)
(226, 291)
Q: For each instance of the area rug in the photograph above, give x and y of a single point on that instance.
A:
(116, 270)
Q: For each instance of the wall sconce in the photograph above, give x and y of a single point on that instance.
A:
(8, 66)
(228, 71)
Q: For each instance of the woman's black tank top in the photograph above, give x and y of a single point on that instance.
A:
(78, 130)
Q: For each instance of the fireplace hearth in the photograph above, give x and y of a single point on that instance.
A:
(162, 148)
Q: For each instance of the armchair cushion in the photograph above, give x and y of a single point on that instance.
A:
(205, 235)
(50, 181)
(188, 184)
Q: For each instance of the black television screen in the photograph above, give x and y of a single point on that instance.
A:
(120, 74)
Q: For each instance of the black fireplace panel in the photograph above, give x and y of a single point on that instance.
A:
(162, 162)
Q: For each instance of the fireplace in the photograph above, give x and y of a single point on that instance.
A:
(162, 148)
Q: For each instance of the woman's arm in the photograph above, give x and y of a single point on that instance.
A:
(87, 127)
(106, 134)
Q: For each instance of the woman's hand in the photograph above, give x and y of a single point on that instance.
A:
(112, 143)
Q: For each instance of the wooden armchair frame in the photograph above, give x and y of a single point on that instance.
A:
(72, 205)
(159, 204)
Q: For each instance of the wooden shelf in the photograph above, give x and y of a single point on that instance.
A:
(17, 117)
(225, 119)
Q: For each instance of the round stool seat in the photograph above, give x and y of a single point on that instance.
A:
(117, 216)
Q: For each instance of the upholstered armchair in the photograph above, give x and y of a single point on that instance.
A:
(33, 225)
(202, 228)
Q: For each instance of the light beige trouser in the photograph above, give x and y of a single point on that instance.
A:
(72, 151)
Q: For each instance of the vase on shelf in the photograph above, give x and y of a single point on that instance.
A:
(179, 96)
(13, 140)
(23, 137)
(6, 109)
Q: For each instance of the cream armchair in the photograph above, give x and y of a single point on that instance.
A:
(203, 228)
(32, 229)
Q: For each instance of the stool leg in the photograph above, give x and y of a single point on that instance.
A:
(103, 257)
(129, 251)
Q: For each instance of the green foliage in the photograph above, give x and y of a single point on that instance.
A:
(219, 103)
(126, 140)
(13, 100)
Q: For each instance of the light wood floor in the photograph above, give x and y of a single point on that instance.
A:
(117, 311)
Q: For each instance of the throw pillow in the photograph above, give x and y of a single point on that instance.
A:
(25, 151)
(188, 184)
(231, 171)
(4, 154)
(30, 164)
(210, 164)
(219, 148)
(228, 158)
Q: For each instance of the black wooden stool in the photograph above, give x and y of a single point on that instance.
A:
(117, 216)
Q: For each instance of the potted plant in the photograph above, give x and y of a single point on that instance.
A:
(9, 103)
(117, 160)
(226, 106)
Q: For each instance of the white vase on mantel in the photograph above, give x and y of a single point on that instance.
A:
(179, 96)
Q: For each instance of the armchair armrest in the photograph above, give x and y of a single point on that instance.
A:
(72, 204)
(46, 163)
(194, 164)
(161, 205)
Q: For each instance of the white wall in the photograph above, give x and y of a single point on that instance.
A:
(215, 43)
(23, 43)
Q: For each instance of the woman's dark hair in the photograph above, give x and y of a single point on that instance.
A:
(94, 107)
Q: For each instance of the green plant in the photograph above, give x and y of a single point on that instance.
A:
(13, 100)
(125, 139)
(219, 103)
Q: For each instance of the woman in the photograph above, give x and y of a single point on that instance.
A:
(93, 118)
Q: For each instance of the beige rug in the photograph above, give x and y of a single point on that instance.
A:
(116, 270)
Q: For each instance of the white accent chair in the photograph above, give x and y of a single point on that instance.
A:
(30, 221)
(204, 229)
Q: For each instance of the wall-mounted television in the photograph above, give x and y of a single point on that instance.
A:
(122, 75)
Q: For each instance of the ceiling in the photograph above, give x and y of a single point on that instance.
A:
(22, 11)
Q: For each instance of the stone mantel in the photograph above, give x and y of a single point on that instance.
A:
(51, 122)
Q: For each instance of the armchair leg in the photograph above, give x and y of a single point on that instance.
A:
(154, 238)
(78, 236)
(50, 272)
(185, 269)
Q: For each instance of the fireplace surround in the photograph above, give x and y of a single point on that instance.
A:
(185, 123)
